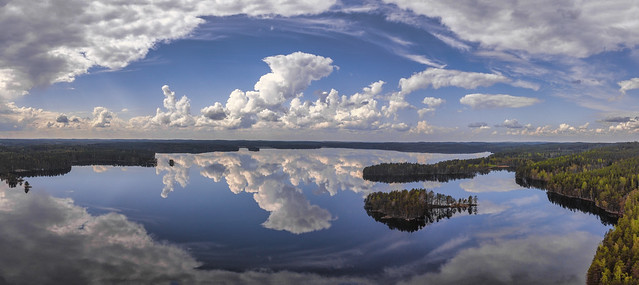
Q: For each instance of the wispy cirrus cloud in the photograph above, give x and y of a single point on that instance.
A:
(629, 84)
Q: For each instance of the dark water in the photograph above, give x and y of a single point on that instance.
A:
(281, 216)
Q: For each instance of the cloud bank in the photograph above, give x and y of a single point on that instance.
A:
(544, 28)
(48, 42)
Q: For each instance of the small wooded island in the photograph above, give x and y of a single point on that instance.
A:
(412, 210)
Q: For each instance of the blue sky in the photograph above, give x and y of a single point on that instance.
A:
(390, 70)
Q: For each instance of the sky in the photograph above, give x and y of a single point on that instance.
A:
(388, 70)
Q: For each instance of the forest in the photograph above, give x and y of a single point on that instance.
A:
(412, 210)
(601, 174)
(604, 177)
(507, 158)
(21, 161)
(617, 258)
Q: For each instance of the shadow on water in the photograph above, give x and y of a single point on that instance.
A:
(431, 216)
(584, 206)
(571, 203)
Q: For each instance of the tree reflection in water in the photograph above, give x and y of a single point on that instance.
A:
(412, 225)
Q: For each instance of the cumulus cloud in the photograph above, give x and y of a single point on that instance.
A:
(290, 75)
(215, 112)
(546, 27)
(396, 102)
(631, 125)
(422, 128)
(628, 85)
(432, 104)
(514, 128)
(490, 101)
(178, 112)
(358, 111)
(13, 117)
(46, 42)
(102, 117)
(62, 119)
(511, 124)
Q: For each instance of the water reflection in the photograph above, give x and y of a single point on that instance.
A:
(517, 261)
(489, 183)
(518, 237)
(431, 216)
(583, 206)
(274, 178)
(48, 240)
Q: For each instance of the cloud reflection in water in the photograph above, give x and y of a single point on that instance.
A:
(48, 240)
(275, 176)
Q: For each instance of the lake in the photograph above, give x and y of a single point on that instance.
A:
(281, 216)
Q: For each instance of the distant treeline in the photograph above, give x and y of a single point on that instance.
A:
(29, 160)
(507, 159)
(199, 146)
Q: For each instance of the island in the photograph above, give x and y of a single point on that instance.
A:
(412, 210)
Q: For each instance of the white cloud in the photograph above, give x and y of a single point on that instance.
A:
(452, 42)
(511, 124)
(423, 128)
(629, 84)
(13, 117)
(177, 114)
(631, 126)
(489, 101)
(290, 75)
(102, 117)
(525, 84)
(358, 111)
(423, 60)
(437, 78)
(215, 112)
(564, 129)
(396, 102)
(49, 42)
(432, 104)
(540, 27)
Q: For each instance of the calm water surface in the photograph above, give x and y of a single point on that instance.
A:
(281, 216)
